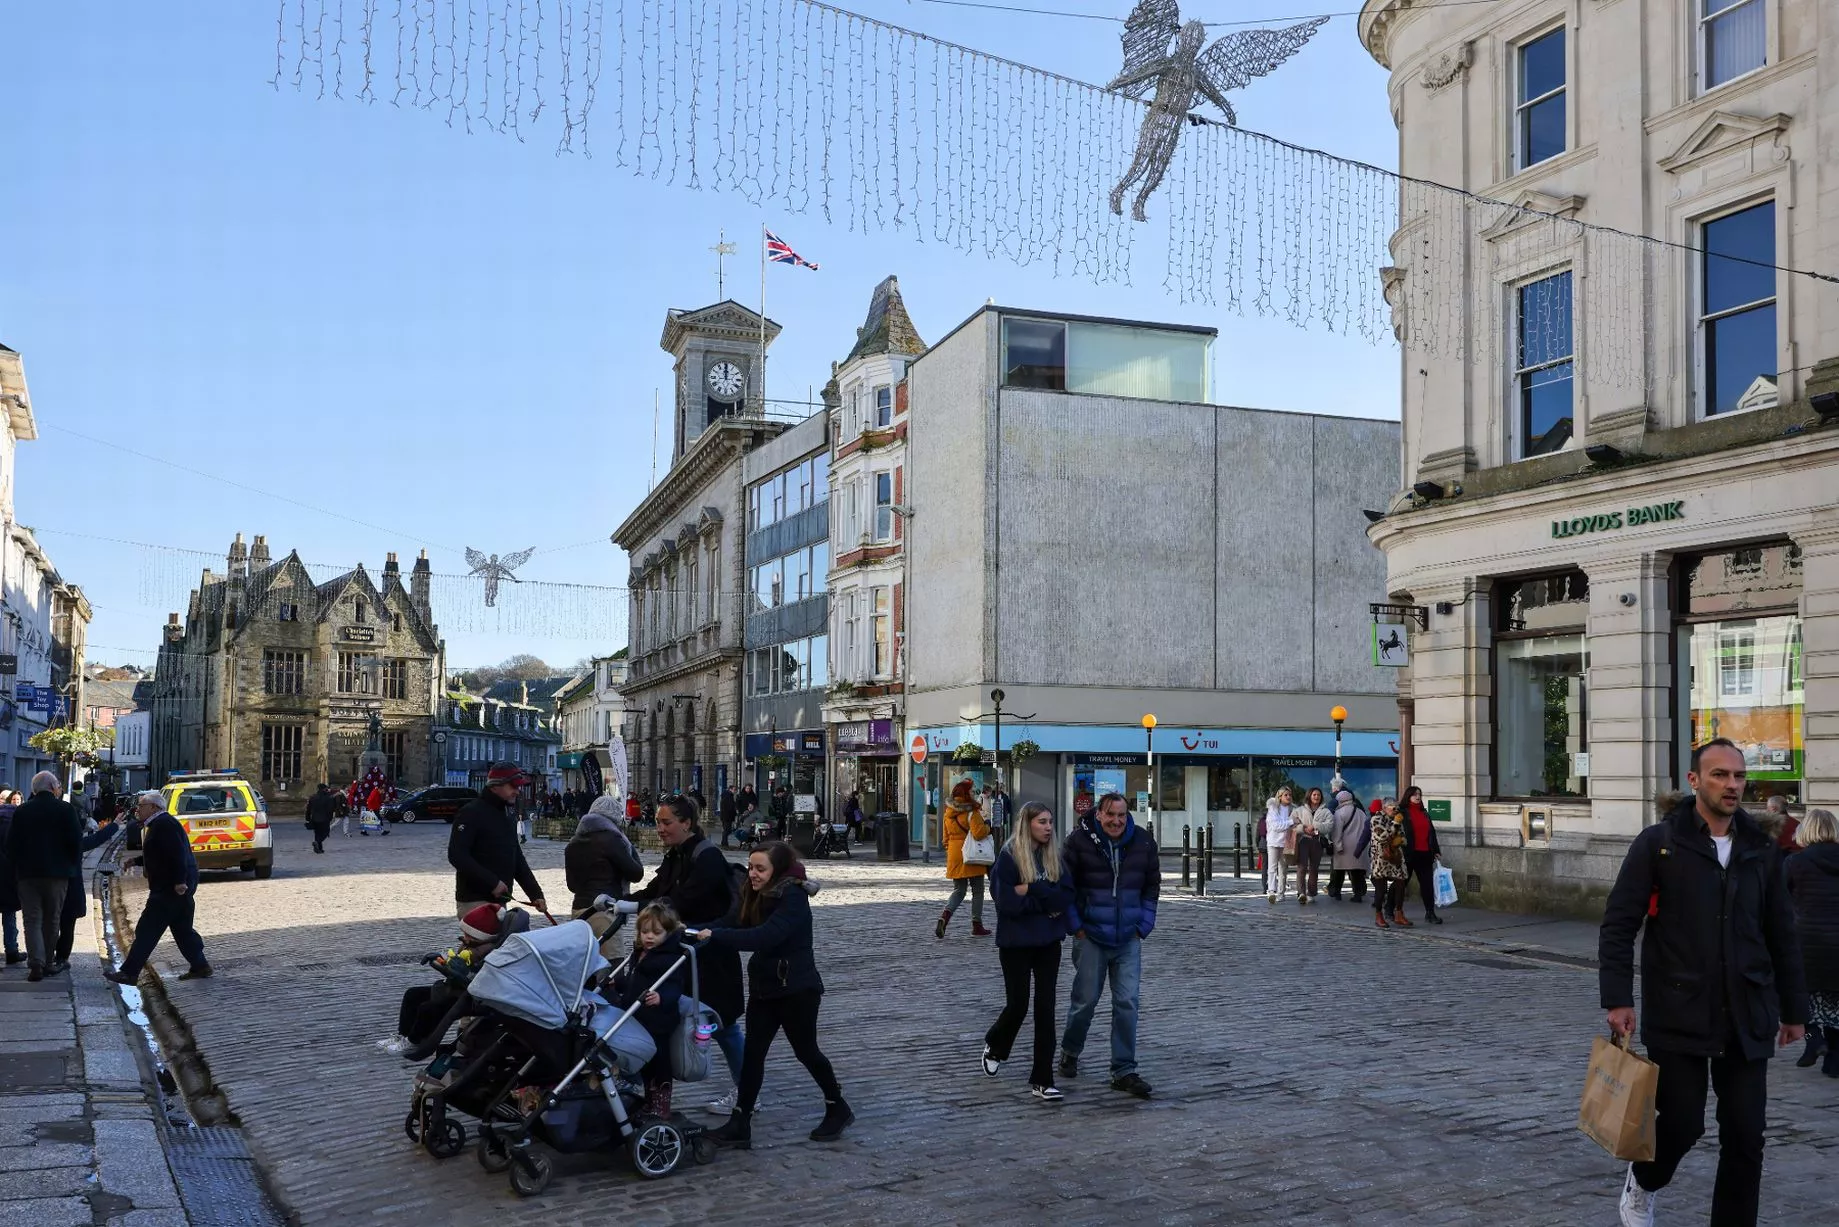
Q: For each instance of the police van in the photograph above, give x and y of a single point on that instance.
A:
(225, 819)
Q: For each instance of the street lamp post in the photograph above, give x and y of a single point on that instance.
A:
(1149, 746)
(1339, 716)
(996, 697)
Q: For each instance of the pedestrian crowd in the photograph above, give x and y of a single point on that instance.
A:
(1384, 843)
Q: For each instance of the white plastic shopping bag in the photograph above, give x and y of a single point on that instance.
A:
(1446, 887)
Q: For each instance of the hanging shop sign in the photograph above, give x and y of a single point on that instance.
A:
(358, 634)
(1391, 645)
(1633, 517)
(9, 664)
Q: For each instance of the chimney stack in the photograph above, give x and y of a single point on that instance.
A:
(239, 558)
(418, 588)
(390, 566)
(258, 554)
(174, 632)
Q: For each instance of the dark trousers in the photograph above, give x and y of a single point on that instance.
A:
(1423, 867)
(797, 1014)
(165, 911)
(1308, 865)
(1022, 965)
(1679, 1121)
(1356, 877)
(319, 835)
(1388, 895)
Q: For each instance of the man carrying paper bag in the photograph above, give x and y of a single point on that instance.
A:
(1721, 981)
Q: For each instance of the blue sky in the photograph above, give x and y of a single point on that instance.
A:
(454, 338)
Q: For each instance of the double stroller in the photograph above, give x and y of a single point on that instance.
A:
(541, 1057)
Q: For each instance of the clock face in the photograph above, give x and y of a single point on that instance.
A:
(726, 380)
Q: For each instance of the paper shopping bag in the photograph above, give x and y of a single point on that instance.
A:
(1617, 1111)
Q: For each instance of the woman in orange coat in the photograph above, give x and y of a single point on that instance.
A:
(962, 820)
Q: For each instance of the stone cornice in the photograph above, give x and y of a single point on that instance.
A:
(724, 442)
(1377, 18)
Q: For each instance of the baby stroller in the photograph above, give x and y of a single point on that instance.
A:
(578, 1047)
(831, 837)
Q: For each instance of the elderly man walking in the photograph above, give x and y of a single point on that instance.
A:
(1116, 880)
(172, 893)
(45, 846)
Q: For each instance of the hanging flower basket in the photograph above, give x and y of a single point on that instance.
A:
(969, 752)
(1023, 750)
(772, 762)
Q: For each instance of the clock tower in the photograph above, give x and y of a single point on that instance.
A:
(720, 354)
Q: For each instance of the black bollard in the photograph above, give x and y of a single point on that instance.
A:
(1209, 852)
(1200, 878)
(1186, 831)
(1238, 848)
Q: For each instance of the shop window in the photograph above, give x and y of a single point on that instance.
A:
(1172, 780)
(1737, 354)
(1543, 367)
(1226, 786)
(1538, 113)
(1742, 668)
(1732, 40)
(1541, 687)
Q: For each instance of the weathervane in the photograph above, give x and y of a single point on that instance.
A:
(1183, 75)
(494, 568)
(722, 248)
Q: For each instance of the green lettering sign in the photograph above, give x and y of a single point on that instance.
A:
(1438, 810)
(1634, 517)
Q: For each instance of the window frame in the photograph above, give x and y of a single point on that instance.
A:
(881, 631)
(283, 746)
(395, 680)
(283, 665)
(1703, 368)
(1701, 44)
(1500, 632)
(1522, 106)
(882, 529)
(884, 398)
(1518, 375)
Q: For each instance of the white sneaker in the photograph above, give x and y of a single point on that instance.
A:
(991, 1066)
(1637, 1202)
(1047, 1094)
(393, 1045)
(724, 1106)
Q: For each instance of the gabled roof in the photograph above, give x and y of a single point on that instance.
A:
(888, 328)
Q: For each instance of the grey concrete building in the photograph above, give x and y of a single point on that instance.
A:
(684, 542)
(788, 608)
(1091, 537)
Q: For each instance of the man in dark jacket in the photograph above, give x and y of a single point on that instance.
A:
(172, 888)
(45, 846)
(322, 808)
(1721, 980)
(9, 886)
(1116, 879)
(727, 812)
(483, 847)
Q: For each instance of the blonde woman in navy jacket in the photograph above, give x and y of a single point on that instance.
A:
(1034, 899)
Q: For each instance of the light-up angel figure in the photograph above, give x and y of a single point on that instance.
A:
(494, 568)
(1160, 51)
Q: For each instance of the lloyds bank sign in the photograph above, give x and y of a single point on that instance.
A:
(1633, 517)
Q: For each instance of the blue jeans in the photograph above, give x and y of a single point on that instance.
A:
(733, 1043)
(1092, 965)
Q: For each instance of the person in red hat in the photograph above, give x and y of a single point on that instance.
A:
(483, 846)
(425, 1005)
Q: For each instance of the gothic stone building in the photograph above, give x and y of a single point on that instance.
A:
(278, 676)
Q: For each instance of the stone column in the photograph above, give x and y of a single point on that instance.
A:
(1451, 687)
(1630, 690)
(1820, 664)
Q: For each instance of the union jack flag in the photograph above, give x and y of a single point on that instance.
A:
(780, 252)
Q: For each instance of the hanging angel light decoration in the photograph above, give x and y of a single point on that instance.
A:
(492, 569)
(1161, 52)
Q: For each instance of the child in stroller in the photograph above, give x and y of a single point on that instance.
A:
(655, 979)
(481, 932)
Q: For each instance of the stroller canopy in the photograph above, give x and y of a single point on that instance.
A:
(539, 976)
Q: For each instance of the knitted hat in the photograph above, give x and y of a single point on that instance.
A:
(1376, 807)
(481, 924)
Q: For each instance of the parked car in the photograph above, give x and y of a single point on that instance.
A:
(225, 820)
(437, 801)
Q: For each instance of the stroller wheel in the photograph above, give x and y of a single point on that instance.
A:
(411, 1124)
(446, 1141)
(530, 1173)
(493, 1156)
(657, 1149)
(703, 1150)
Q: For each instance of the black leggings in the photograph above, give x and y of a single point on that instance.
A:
(1424, 869)
(797, 1014)
(1022, 964)
(1388, 895)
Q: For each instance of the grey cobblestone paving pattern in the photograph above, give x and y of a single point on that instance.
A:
(1306, 1071)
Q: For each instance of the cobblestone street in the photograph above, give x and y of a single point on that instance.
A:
(1306, 1071)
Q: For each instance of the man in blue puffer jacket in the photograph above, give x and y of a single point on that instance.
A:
(1116, 879)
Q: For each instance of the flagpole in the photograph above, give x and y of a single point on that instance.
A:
(762, 363)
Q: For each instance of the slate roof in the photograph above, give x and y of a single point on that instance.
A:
(888, 328)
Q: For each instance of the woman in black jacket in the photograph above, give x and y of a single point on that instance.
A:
(1033, 895)
(773, 920)
(600, 860)
(1813, 885)
(695, 879)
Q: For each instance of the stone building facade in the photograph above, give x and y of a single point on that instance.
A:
(1619, 513)
(279, 677)
(685, 543)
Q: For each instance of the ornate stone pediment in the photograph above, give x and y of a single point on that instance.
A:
(1724, 132)
(1449, 67)
(728, 320)
(1529, 208)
